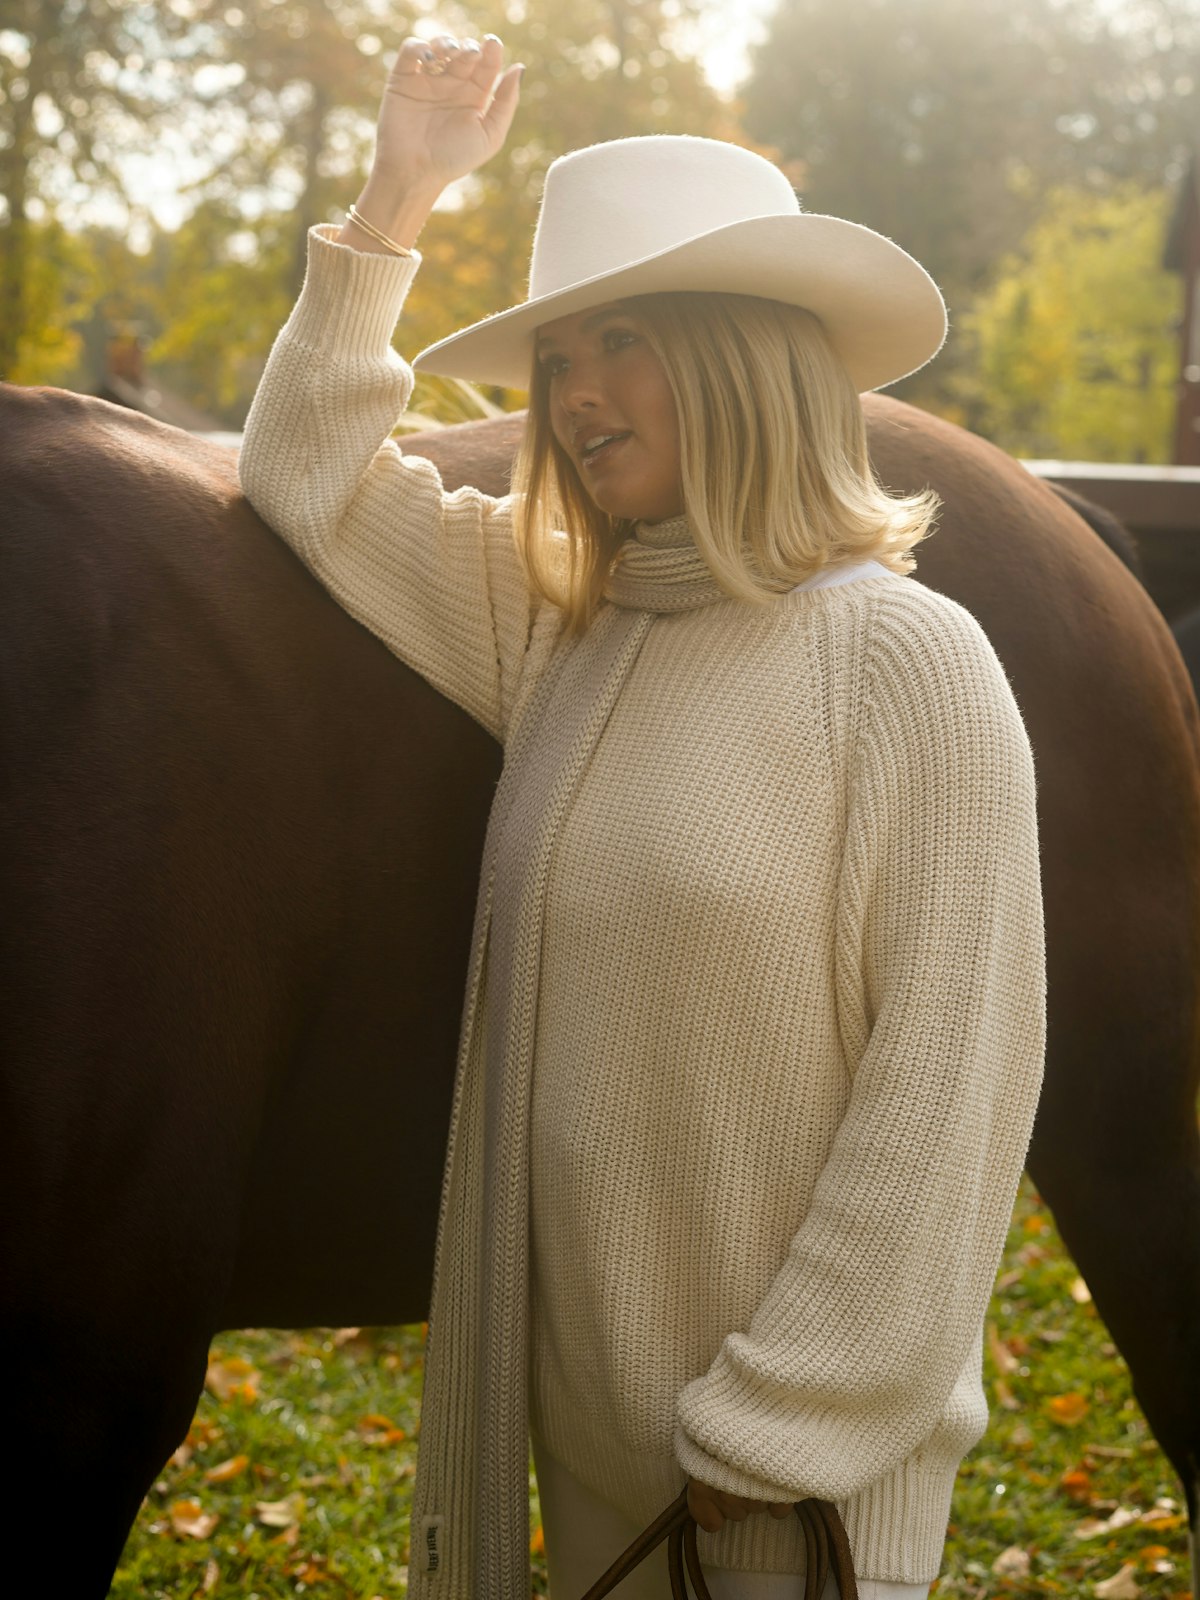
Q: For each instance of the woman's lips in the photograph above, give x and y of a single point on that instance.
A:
(605, 450)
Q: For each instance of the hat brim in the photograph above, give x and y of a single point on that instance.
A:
(882, 312)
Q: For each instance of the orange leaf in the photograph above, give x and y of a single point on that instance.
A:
(1076, 1485)
(1068, 1409)
(537, 1545)
(232, 1379)
(227, 1469)
(378, 1430)
(190, 1520)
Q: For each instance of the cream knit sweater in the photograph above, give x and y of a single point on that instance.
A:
(790, 1010)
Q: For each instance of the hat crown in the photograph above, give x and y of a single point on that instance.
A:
(611, 204)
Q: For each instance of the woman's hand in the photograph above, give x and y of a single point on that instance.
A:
(710, 1507)
(447, 109)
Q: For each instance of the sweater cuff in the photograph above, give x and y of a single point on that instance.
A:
(351, 299)
(717, 1474)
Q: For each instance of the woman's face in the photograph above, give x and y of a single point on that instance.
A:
(605, 379)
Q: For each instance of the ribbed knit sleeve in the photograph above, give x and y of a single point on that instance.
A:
(856, 1351)
(435, 575)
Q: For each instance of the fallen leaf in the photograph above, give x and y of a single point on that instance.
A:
(1035, 1224)
(181, 1457)
(537, 1544)
(201, 1434)
(1164, 1519)
(288, 1537)
(308, 1569)
(1156, 1558)
(1117, 1452)
(1005, 1396)
(1120, 1518)
(285, 1513)
(1076, 1485)
(190, 1520)
(1080, 1292)
(212, 1576)
(378, 1430)
(227, 1469)
(1068, 1409)
(233, 1379)
(1012, 1563)
(1000, 1353)
(344, 1336)
(1123, 1585)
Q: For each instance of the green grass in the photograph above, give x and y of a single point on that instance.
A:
(1067, 1446)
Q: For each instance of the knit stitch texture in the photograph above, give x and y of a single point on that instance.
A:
(755, 1014)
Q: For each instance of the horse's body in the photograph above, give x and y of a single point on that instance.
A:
(238, 862)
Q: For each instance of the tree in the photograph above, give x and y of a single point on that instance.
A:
(944, 124)
(77, 90)
(1072, 348)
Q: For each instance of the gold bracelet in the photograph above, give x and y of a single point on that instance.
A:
(380, 238)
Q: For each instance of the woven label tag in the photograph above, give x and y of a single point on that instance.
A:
(431, 1542)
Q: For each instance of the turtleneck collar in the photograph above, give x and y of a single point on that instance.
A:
(670, 534)
(660, 569)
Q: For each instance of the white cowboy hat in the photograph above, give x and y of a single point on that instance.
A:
(670, 211)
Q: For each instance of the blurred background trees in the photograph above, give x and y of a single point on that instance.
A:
(160, 164)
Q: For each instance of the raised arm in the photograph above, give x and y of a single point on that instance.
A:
(436, 576)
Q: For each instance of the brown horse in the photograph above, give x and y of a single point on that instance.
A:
(237, 865)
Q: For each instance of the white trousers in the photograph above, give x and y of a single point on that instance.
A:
(585, 1535)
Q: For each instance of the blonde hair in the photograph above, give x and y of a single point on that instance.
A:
(777, 482)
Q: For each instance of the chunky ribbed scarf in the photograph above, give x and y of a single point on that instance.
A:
(470, 1505)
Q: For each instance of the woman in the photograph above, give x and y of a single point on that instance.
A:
(754, 1024)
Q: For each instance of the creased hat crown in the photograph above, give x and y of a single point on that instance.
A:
(621, 201)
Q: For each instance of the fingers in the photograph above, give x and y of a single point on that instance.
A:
(446, 55)
(499, 115)
(711, 1507)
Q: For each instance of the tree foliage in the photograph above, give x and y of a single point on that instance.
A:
(82, 84)
(1073, 346)
(945, 125)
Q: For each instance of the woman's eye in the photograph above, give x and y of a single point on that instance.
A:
(621, 335)
(552, 365)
